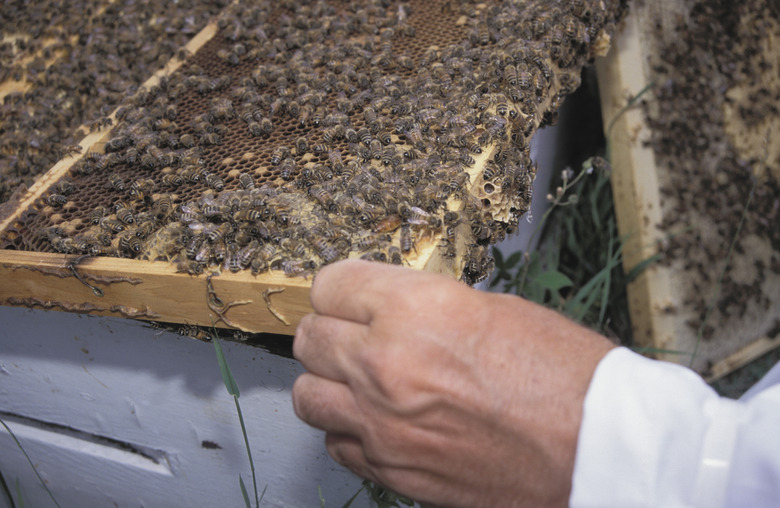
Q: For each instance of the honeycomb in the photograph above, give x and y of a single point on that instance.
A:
(307, 132)
(96, 50)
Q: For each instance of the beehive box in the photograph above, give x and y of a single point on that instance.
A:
(696, 166)
(289, 136)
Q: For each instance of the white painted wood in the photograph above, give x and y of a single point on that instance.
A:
(163, 395)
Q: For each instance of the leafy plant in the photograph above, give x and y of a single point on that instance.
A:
(578, 269)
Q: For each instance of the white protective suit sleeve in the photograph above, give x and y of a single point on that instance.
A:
(654, 434)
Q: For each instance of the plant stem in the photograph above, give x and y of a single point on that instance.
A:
(555, 203)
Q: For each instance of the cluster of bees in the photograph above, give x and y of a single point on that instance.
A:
(69, 64)
(304, 133)
(699, 63)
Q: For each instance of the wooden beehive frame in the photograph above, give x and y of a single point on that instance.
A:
(268, 302)
(653, 298)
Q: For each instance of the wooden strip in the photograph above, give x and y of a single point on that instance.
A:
(635, 187)
(153, 291)
(743, 357)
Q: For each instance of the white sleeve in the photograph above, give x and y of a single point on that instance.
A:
(654, 434)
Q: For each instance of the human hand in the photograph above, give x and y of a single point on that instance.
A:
(449, 395)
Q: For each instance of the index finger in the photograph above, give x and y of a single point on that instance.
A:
(353, 289)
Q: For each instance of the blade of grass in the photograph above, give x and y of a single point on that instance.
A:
(607, 280)
(19, 496)
(35, 470)
(244, 492)
(637, 270)
(232, 388)
(227, 376)
(248, 450)
(351, 499)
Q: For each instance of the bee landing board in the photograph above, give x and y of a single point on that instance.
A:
(296, 135)
(685, 168)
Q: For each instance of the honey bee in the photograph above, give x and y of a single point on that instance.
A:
(96, 214)
(228, 56)
(193, 246)
(539, 61)
(335, 160)
(295, 268)
(221, 108)
(116, 182)
(64, 187)
(56, 199)
(249, 215)
(63, 245)
(117, 143)
(214, 211)
(414, 136)
(246, 181)
(258, 264)
(172, 179)
(351, 135)
(243, 258)
(301, 145)
(125, 214)
(162, 207)
(278, 154)
(406, 242)
(255, 129)
(330, 134)
(215, 181)
(112, 225)
(142, 188)
(187, 140)
(378, 256)
(394, 255)
(216, 233)
(211, 138)
(287, 169)
(323, 197)
(190, 174)
(388, 224)
(191, 267)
